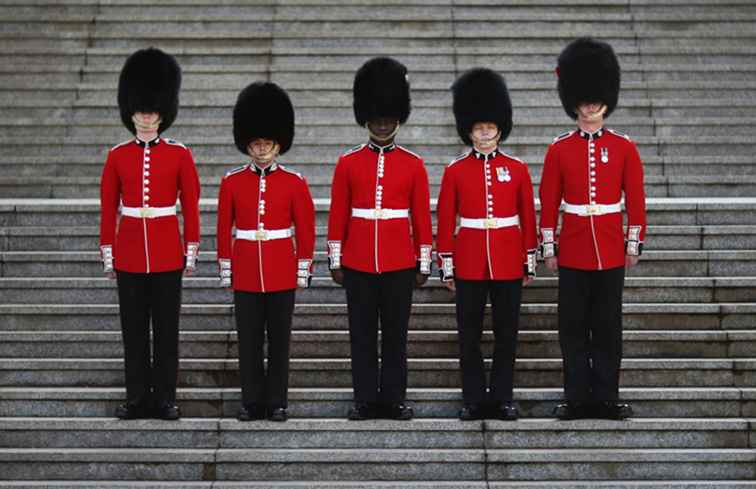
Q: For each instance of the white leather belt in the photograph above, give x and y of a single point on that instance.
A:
(592, 209)
(489, 223)
(374, 214)
(263, 234)
(148, 212)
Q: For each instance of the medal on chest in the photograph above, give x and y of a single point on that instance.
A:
(502, 174)
(604, 155)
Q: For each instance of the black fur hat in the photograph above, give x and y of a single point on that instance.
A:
(481, 95)
(588, 71)
(381, 89)
(263, 110)
(150, 82)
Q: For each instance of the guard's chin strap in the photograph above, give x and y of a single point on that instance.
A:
(594, 116)
(142, 127)
(385, 138)
(485, 146)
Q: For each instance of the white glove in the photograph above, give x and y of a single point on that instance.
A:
(304, 276)
(106, 252)
(225, 273)
(192, 252)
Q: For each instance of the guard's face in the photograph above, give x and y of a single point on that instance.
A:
(146, 121)
(383, 127)
(263, 150)
(485, 136)
(591, 111)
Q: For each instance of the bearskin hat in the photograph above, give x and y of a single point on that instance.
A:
(150, 82)
(263, 110)
(588, 71)
(481, 95)
(381, 89)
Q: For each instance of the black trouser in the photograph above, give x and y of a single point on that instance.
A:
(256, 314)
(590, 332)
(145, 298)
(471, 298)
(371, 296)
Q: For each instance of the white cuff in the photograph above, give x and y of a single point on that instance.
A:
(425, 259)
(334, 255)
(530, 265)
(303, 273)
(225, 272)
(106, 252)
(447, 267)
(192, 252)
(548, 247)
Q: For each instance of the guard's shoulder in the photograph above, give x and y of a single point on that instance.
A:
(236, 170)
(619, 134)
(562, 137)
(459, 158)
(514, 158)
(173, 142)
(409, 152)
(120, 145)
(353, 150)
(287, 170)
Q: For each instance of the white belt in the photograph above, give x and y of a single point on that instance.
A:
(263, 234)
(148, 212)
(374, 214)
(489, 223)
(592, 209)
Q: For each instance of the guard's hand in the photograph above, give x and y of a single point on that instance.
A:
(527, 280)
(631, 261)
(420, 280)
(552, 263)
(111, 275)
(338, 276)
(449, 284)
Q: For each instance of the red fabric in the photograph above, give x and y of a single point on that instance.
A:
(592, 242)
(483, 254)
(265, 266)
(383, 245)
(149, 245)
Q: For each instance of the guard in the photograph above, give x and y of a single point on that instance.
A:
(589, 169)
(143, 248)
(494, 253)
(267, 260)
(380, 239)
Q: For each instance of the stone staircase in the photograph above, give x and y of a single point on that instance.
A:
(688, 101)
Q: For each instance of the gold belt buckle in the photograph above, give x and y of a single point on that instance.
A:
(378, 213)
(261, 235)
(145, 212)
(593, 210)
(490, 223)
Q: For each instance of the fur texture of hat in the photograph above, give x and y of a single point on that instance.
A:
(263, 110)
(381, 89)
(481, 95)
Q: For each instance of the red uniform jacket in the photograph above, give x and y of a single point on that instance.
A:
(392, 179)
(588, 169)
(476, 186)
(148, 175)
(271, 199)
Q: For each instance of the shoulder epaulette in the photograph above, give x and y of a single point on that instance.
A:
(290, 171)
(513, 158)
(460, 157)
(619, 134)
(122, 144)
(563, 136)
(354, 150)
(236, 170)
(174, 142)
(408, 151)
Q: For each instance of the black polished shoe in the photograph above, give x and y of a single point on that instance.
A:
(278, 414)
(506, 411)
(131, 411)
(400, 412)
(571, 410)
(471, 412)
(360, 411)
(613, 410)
(250, 412)
(168, 412)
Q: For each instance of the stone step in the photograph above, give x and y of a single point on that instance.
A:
(561, 484)
(336, 372)
(328, 403)
(75, 290)
(735, 263)
(309, 434)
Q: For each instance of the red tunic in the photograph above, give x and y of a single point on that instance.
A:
(389, 179)
(275, 198)
(588, 169)
(149, 175)
(476, 186)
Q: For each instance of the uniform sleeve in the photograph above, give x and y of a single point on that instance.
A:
(635, 202)
(303, 216)
(225, 220)
(526, 207)
(446, 215)
(189, 185)
(110, 198)
(339, 214)
(422, 227)
(550, 194)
